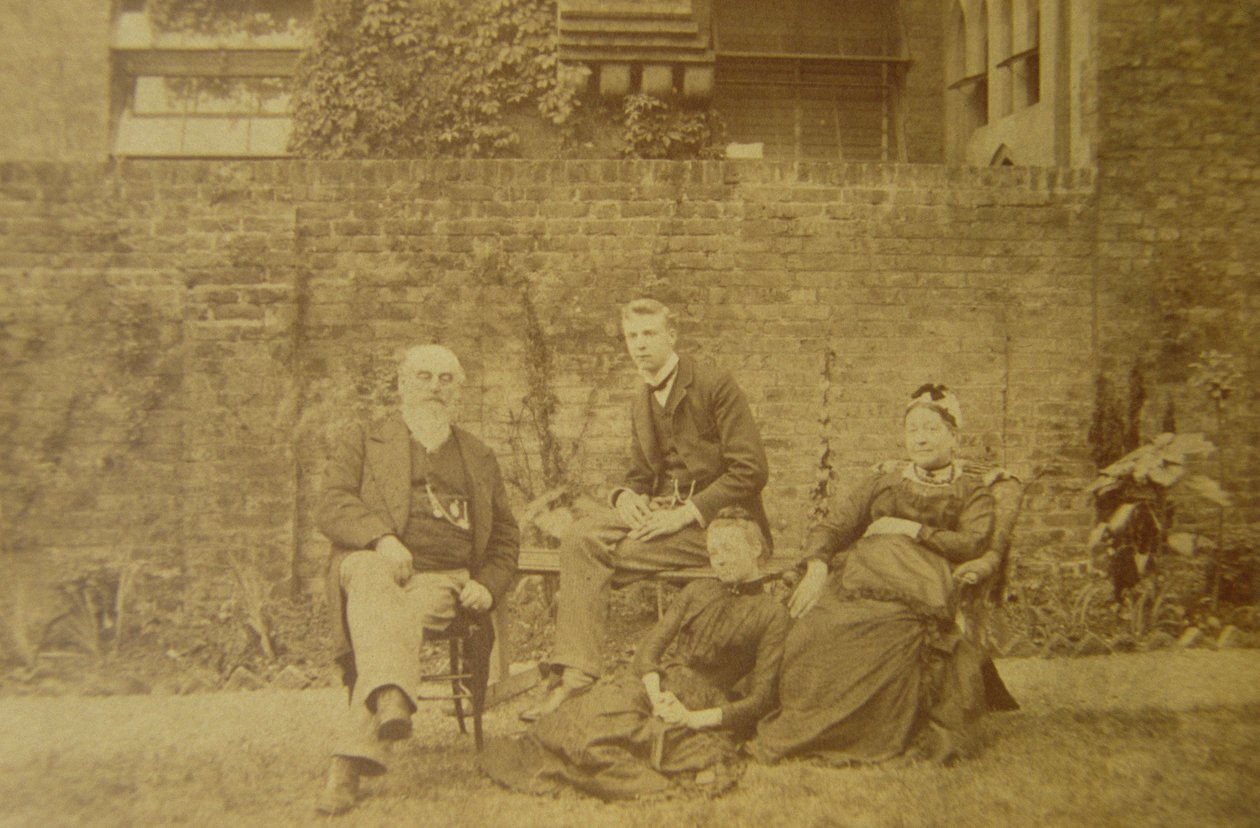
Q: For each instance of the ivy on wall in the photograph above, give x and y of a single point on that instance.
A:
(422, 78)
(659, 129)
(432, 78)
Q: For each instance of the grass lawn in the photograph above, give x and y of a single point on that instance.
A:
(258, 759)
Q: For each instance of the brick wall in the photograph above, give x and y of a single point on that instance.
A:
(1179, 211)
(229, 316)
(178, 339)
(55, 89)
(147, 341)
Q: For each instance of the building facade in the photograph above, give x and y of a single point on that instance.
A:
(974, 82)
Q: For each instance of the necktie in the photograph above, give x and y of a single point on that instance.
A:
(661, 385)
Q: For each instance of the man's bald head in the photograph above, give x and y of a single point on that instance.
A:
(434, 358)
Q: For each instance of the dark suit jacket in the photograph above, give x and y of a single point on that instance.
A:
(715, 435)
(367, 494)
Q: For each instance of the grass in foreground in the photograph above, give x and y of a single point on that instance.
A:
(1140, 768)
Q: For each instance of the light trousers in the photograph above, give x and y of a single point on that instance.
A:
(387, 623)
(594, 557)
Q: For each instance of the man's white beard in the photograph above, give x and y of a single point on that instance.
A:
(428, 422)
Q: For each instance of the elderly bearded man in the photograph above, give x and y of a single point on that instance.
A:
(694, 450)
(419, 521)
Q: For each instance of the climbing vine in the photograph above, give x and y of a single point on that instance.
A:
(656, 128)
(433, 78)
(410, 78)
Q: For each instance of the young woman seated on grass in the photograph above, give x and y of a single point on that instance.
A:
(675, 712)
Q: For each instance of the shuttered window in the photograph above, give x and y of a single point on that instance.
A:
(808, 110)
(810, 80)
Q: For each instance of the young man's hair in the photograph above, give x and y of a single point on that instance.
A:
(649, 307)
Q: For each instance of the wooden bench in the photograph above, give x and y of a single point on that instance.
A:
(537, 561)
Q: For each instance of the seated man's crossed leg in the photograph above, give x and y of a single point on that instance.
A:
(387, 621)
(600, 551)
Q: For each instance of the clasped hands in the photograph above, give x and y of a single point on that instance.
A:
(970, 572)
(667, 707)
(473, 596)
(810, 588)
(647, 523)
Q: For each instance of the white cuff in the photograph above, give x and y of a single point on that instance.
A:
(616, 493)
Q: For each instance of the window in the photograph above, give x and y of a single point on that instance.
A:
(1000, 80)
(205, 80)
(968, 64)
(811, 80)
(1025, 62)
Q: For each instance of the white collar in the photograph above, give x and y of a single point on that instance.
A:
(660, 376)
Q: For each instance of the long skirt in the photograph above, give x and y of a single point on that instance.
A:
(605, 742)
(870, 665)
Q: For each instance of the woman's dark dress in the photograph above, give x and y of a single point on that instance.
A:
(606, 741)
(879, 654)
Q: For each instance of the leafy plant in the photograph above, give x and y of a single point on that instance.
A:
(1217, 374)
(1138, 527)
(1059, 603)
(410, 78)
(1148, 607)
(251, 594)
(223, 17)
(655, 128)
(1235, 567)
(96, 603)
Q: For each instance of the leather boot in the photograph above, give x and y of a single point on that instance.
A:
(342, 790)
(393, 713)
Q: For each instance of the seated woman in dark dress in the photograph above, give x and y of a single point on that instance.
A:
(875, 659)
(641, 731)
